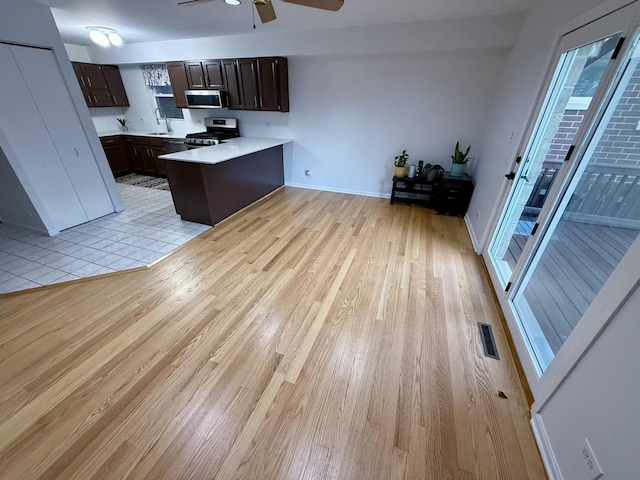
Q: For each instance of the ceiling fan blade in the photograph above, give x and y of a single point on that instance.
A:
(265, 11)
(193, 2)
(333, 5)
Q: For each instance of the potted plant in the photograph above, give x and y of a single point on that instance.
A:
(123, 123)
(459, 160)
(400, 162)
(432, 172)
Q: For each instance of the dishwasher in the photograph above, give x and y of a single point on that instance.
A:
(173, 145)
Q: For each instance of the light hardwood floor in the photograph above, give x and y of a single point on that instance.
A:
(312, 336)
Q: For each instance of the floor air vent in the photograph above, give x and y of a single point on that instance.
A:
(488, 342)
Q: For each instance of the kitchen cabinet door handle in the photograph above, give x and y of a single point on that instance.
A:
(82, 81)
(95, 100)
(110, 142)
(89, 82)
(255, 100)
(115, 101)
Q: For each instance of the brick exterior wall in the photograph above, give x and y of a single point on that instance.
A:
(620, 143)
(571, 120)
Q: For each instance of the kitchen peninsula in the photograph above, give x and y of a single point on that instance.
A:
(212, 183)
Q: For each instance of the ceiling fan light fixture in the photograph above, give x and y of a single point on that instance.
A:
(232, 2)
(104, 36)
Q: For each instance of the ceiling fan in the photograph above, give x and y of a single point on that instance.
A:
(267, 13)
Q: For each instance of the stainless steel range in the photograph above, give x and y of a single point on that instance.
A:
(218, 130)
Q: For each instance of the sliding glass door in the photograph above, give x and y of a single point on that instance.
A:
(594, 224)
(578, 74)
(573, 209)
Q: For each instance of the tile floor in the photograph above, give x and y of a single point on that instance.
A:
(148, 229)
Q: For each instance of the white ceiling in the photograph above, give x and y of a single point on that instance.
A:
(153, 20)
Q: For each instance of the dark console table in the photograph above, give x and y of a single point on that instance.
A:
(447, 195)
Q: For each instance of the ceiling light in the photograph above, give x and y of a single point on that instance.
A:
(98, 37)
(115, 39)
(232, 2)
(104, 36)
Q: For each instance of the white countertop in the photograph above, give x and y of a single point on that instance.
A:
(141, 134)
(232, 148)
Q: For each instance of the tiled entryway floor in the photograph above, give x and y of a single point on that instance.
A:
(148, 229)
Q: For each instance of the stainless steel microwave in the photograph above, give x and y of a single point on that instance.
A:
(204, 98)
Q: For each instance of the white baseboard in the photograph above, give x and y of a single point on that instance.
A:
(339, 190)
(546, 452)
(472, 234)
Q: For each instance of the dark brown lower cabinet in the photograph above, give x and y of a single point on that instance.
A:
(133, 154)
(453, 195)
(117, 155)
(160, 168)
(144, 153)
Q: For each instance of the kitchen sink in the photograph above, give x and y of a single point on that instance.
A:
(156, 133)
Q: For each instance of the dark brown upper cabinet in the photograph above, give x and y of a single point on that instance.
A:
(214, 76)
(248, 83)
(195, 76)
(204, 75)
(115, 85)
(231, 81)
(179, 82)
(101, 85)
(273, 83)
(94, 77)
(261, 84)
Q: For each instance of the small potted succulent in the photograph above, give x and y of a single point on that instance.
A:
(124, 122)
(400, 164)
(459, 159)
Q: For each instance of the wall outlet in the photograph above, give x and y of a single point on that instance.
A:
(590, 461)
(142, 119)
(307, 173)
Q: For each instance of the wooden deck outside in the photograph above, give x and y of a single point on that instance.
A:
(578, 261)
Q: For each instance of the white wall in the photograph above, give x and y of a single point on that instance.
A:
(358, 95)
(27, 23)
(352, 114)
(599, 401)
(79, 53)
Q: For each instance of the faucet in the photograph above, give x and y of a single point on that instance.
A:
(162, 115)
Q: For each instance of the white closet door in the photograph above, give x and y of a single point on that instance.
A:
(51, 95)
(28, 143)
